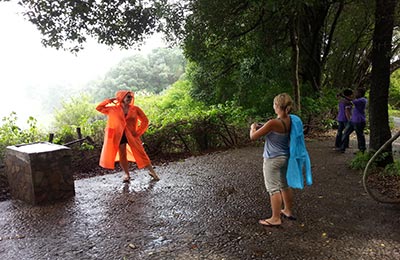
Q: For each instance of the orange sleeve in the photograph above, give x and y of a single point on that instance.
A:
(102, 107)
(144, 122)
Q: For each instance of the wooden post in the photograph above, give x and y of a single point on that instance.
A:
(78, 130)
(51, 137)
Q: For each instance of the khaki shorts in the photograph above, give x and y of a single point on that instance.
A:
(275, 174)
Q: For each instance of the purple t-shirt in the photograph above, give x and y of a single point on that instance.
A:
(358, 115)
(343, 104)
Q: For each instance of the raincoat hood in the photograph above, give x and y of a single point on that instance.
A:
(120, 95)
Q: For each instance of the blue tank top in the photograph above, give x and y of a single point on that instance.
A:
(276, 144)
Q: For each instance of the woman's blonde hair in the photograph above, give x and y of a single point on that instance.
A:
(284, 102)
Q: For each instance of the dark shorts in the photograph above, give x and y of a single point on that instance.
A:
(123, 139)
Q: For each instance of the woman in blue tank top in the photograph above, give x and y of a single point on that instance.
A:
(276, 154)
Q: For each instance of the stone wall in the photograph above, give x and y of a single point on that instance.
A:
(40, 172)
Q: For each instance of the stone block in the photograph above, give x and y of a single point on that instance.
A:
(39, 172)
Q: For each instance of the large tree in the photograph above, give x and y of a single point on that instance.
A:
(67, 24)
(241, 49)
(260, 37)
(381, 56)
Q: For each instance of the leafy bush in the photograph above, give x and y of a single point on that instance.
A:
(153, 72)
(394, 90)
(179, 124)
(11, 134)
(78, 112)
(393, 112)
(319, 111)
(359, 162)
(393, 169)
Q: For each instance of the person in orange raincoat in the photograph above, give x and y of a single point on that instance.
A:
(126, 124)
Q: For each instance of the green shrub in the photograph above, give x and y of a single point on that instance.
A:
(179, 124)
(78, 112)
(393, 169)
(359, 162)
(12, 134)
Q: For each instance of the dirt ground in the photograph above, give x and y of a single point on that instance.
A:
(208, 207)
(85, 165)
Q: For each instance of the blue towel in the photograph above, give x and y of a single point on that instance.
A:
(299, 158)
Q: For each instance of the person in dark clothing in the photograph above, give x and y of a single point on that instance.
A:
(344, 116)
(357, 122)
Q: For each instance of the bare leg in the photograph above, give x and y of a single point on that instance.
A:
(287, 196)
(276, 205)
(123, 161)
(152, 172)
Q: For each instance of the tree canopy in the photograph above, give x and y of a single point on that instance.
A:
(244, 51)
(152, 73)
(68, 24)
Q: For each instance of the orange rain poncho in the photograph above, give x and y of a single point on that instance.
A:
(134, 124)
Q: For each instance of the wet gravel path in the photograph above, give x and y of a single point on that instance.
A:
(206, 207)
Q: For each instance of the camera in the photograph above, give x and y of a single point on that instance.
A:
(259, 125)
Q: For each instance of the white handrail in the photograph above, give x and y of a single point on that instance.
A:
(365, 174)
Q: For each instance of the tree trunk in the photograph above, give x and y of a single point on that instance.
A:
(294, 40)
(380, 74)
(312, 20)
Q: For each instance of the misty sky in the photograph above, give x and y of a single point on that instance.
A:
(25, 62)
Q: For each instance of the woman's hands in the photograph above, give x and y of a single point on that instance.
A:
(253, 128)
(256, 126)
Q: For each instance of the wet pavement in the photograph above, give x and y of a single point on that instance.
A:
(206, 207)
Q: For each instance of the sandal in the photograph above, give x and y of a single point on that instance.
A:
(288, 217)
(154, 176)
(266, 223)
(126, 179)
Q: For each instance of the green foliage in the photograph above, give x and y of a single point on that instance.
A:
(394, 112)
(153, 73)
(67, 24)
(77, 112)
(65, 134)
(181, 124)
(86, 147)
(176, 105)
(178, 124)
(394, 90)
(11, 134)
(350, 46)
(321, 109)
(359, 162)
(173, 105)
(232, 58)
(393, 169)
(239, 51)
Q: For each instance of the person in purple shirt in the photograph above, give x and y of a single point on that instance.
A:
(343, 117)
(357, 122)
